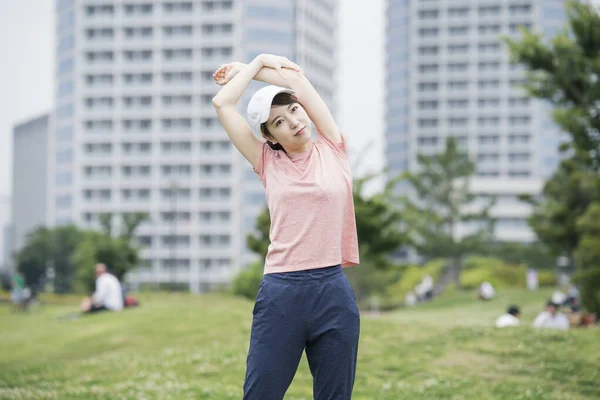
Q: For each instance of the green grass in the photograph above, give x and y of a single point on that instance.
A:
(194, 347)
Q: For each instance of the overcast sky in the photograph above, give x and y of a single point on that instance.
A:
(26, 75)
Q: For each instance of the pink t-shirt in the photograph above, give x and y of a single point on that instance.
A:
(309, 196)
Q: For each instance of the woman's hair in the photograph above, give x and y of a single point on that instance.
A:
(282, 99)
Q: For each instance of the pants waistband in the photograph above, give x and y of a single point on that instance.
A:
(305, 276)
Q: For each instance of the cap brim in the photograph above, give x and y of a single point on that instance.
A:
(267, 106)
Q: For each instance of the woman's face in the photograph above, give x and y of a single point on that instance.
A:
(290, 126)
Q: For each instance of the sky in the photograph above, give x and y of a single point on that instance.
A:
(27, 78)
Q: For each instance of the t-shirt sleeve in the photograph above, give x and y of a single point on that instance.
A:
(339, 148)
(263, 158)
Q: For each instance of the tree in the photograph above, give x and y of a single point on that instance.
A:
(440, 204)
(50, 247)
(566, 196)
(119, 253)
(565, 72)
(33, 258)
(587, 257)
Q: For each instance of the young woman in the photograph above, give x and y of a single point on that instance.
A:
(305, 302)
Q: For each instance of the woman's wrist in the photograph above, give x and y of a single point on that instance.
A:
(258, 60)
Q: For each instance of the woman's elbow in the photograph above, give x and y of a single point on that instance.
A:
(218, 102)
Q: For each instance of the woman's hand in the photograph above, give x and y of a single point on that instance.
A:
(227, 72)
(278, 62)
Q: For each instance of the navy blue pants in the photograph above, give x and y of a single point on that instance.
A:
(313, 310)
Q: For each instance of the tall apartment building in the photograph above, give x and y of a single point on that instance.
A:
(448, 74)
(135, 130)
(29, 181)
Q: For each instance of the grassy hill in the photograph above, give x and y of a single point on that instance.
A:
(181, 346)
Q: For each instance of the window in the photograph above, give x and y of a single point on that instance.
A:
(66, 43)
(183, 77)
(267, 12)
(518, 102)
(142, 79)
(489, 47)
(489, 65)
(458, 67)
(488, 140)
(458, 30)
(428, 86)
(65, 133)
(177, 124)
(518, 157)
(137, 9)
(522, 120)
(65, 66)
(428, 105)
(515, 28)
(136, 125)
(519, 139)
(177, 54)
(425, 68)
(458, 103)
(137, 55)
(458, 48)
(103, 125)
(429, 14)
(137, 102)
(458, 85)
(64, 178)
(64, 201)
(66, 110)
(488, 121)
(489, 11)
(428, 141)
(458, 12)
(488, 84)
(178, 7)
(99, 57)
(489, 29)
(428, 50)
(457, 122)
(178, 31)
(488, 157)
(102, 80)
(428, 122)
(518, 9)
(488, 102)
(429, 32)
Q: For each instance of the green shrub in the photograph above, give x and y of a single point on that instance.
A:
(412, 275)
(473, 262)
(499, 275)
(547, 279)
(246, 282)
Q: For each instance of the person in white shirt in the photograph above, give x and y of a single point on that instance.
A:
(108, 295)
(551, 318)
(511, 318)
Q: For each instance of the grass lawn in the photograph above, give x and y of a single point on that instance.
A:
(179, 346)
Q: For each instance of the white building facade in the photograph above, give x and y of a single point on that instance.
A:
(135, 131)
(448, 75)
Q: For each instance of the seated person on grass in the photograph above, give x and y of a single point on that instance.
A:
(108, 295)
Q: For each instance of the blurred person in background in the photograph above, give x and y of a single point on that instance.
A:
(511, 318)
(551, 318)
(108, 295)
(304, 302)
(486, 291)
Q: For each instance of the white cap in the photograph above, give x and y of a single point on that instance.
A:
(259, 106)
